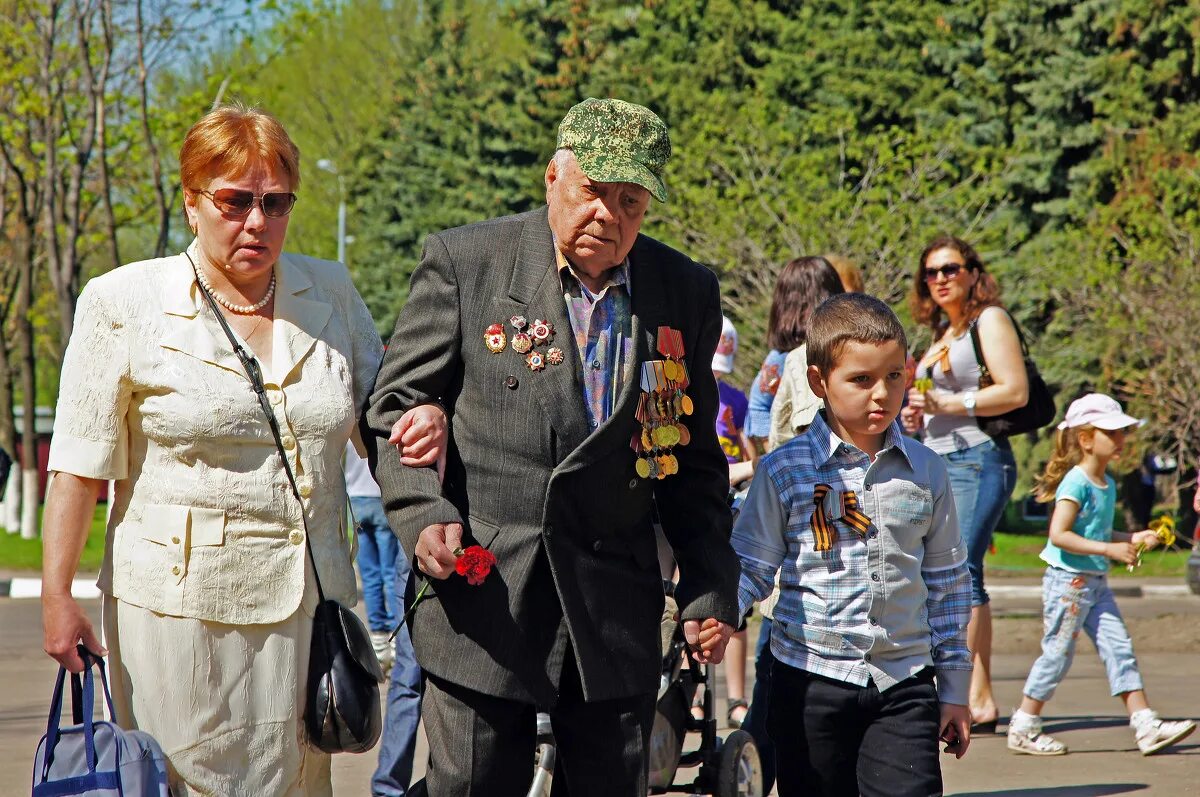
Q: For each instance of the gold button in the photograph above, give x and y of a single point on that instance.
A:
(305, 490)
(295, 538)
(276, 396)
(174, 540)
(289, 442)
(175, 570)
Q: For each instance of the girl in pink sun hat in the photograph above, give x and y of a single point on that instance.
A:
(1075, 592)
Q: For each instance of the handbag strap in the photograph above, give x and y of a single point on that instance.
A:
(254, 372)
(984, 373)
(83, 697)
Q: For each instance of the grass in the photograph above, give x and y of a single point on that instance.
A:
(19, 554)
(1017, 555)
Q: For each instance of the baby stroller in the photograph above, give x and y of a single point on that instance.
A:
(724, 767)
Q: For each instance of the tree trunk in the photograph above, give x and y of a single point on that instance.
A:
(25, 353)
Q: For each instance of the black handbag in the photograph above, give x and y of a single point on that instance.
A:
(1039, 409)
(342, 708)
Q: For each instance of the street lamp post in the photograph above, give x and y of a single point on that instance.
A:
(327, 165)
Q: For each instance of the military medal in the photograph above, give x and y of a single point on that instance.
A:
(660, 407)
(521, 343)
(495, 339)
(554, 355)
(535, 361)
(518, 322)
(541, 331)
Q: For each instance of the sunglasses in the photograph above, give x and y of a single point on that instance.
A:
(949, 271)
(237, 203)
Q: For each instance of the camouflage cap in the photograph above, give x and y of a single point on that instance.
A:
(618, 142)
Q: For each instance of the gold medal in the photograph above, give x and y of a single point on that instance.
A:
(674, 464)
(643, 468)
(660, 437)
(672, 370)
(647, 441)
(688, 407)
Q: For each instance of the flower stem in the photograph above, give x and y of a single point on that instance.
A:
(408, 614)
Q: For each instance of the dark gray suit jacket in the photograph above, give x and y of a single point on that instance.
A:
(559, 504)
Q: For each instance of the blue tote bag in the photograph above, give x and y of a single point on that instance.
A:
(95, 758)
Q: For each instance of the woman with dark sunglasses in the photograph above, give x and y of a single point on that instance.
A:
(208, 577)
(951, 293)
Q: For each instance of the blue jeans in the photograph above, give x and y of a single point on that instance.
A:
(1075, 601)
(755, 722)
(982, 479)
(377, 552)
(403, 711)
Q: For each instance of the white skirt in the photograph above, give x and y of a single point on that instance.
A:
(226, 702)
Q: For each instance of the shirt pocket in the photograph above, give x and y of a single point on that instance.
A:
(183, 526)
(905, 511)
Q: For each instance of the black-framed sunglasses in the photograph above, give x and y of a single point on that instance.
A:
(949, 271)
(238, 203)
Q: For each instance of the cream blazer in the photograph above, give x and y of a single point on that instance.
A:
(204, 524)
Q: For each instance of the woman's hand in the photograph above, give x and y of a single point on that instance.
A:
(912, 419)
(421, 435)
(65, 625)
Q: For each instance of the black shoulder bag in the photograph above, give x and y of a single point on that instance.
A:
(1038, 410)
(341, 711)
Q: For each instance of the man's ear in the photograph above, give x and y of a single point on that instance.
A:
(816, 382)
(551, 173)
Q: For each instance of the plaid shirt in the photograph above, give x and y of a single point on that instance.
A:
(877, 607)
(603, 327)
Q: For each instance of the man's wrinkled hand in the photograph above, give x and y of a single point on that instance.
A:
(707, 639)
(435, 549)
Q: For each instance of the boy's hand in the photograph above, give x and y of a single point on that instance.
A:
(1123, 552)
(955, 729)
(708, 639)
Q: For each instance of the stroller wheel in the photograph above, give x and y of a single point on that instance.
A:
(739, 773)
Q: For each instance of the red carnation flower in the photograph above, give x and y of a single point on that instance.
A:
(475, 563)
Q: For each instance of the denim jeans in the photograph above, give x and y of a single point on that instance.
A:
(402, 714)
(377, 552)
(1074, 601)
(755, 723)
(836, 739)
(982, 479)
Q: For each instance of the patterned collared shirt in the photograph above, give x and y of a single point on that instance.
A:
(875, 607)
(603, 327)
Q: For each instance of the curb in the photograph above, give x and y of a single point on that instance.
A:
(32, 588)
(1120, 590)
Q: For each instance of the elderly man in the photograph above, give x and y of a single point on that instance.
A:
(572, 356)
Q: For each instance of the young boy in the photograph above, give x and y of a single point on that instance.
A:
(869, 634)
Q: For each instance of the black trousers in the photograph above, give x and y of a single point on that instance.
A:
(834, 739)
(484, 745)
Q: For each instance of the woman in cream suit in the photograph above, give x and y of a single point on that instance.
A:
(208, 589)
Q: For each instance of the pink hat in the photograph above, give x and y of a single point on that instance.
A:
(722, 361)
(1099, 410)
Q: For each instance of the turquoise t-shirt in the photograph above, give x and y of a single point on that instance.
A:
(1097, 506)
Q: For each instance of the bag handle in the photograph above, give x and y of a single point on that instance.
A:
(254, 372)
(83, 700)
(984, 373)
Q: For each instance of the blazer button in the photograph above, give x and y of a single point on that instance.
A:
(295, 538)
(175, 570)
(633, 484)
(597, 545)
(511, 383)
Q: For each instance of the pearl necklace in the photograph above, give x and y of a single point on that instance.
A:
(240, 309)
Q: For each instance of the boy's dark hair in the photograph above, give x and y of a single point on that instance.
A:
(850, 317)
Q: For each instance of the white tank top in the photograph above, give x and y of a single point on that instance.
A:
(947, 433)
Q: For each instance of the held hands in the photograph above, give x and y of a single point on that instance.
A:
(954, 728)
(65, 626)
(420, 435)
(435, 549)
(708, 639)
